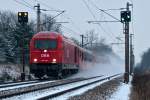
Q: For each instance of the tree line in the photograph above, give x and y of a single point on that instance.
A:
(12, 32)
(11, 35)
(144, 66)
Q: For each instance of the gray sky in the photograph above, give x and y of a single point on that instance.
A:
(77, 14)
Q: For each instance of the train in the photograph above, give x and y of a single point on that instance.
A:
(54, 55)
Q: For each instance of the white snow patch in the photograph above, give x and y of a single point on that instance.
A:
(10, 69)
(79, 91)
(122, 93)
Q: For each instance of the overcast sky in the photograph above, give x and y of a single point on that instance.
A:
(77, 14)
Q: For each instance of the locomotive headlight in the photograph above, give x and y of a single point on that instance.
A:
(54, 60)
(45, 50)
(35, 60)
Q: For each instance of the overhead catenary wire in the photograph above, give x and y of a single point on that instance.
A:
(89, 9)
(112, 32)
(54, 17)
(50, 8)
(72, 22)
(27, 3)
(108, 28)
(104, 11)
(59, 11)
(32, 7)
(21, 3)
(114, 9)
(96, 19)
(71, 30)
(94, 5)
(109, 34)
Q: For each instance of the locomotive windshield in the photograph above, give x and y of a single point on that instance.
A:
(45, 44)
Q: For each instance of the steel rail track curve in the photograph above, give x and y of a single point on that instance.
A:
(6, 94)
(17, 83)
(75, 88)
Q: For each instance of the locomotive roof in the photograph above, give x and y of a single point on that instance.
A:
(46, 34)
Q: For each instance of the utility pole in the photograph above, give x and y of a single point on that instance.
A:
(126, 32)
(23, 54)
(82, 37)
(39, 28)
(125, 19)
(38, 18)
(131, 55)
(82, 41)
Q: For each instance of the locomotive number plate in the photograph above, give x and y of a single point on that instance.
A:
(44, 55)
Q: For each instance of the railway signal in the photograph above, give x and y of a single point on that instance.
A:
(23, 20)
(22, 17)
(125, 16)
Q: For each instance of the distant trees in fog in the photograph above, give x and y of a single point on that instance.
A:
(144, 66)
(94, 43)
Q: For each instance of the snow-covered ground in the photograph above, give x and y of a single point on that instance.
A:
(42, 93)
(111, 66)
(11, 70)
(122, 93)
(78, 92)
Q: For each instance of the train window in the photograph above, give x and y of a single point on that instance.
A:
(45, 44)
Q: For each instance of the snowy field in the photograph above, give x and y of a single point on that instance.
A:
(122, 93)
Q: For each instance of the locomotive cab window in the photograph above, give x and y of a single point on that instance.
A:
(45, 44)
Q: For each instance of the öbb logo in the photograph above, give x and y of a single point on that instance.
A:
(44, 55)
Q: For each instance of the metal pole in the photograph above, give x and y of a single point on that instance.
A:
(23, 54)
(127, 49)
(82, 36)
(38, 18)
(131, 55)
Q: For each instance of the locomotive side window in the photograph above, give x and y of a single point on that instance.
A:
(45, 44)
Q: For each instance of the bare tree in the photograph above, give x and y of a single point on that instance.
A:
(91, 37)
(49, 24)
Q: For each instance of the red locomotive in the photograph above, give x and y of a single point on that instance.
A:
(52, 54)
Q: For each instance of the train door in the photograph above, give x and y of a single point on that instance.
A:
(75, 53)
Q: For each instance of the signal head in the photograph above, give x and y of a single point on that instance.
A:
(22, 17)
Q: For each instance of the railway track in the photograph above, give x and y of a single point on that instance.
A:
(17, 83)
(54, 95)
(51, 89)
(11, 84)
